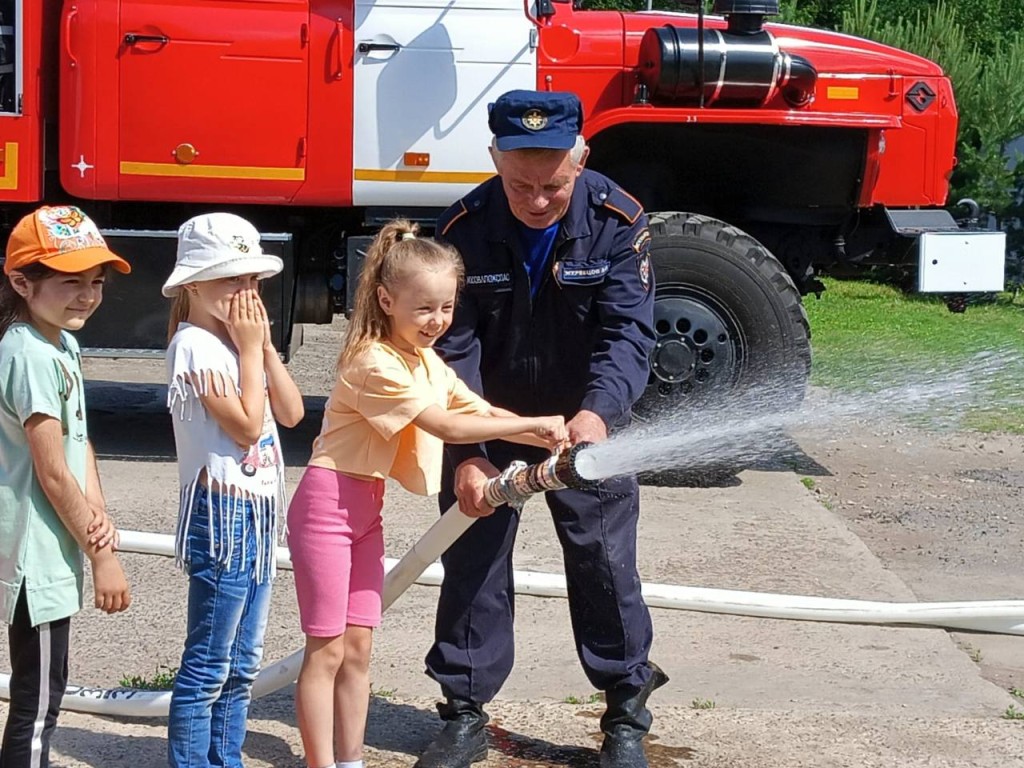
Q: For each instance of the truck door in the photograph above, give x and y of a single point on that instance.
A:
(425, 72)
(213, 99)
(26, 88)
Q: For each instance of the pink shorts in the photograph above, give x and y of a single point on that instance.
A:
(337, 547)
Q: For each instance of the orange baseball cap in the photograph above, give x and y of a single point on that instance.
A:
(62, 238)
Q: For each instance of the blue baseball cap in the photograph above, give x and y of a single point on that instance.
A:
(535, 120)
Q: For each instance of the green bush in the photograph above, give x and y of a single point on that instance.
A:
(989, 90)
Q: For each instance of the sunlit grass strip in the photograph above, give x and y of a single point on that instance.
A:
(866, 337)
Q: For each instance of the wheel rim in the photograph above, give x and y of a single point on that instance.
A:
(699, 343)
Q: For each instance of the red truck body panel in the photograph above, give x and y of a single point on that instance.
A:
(861, 84)
(21, 138)
(253, 100)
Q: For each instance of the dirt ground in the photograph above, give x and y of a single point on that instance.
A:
(945, 512)
(880, 512)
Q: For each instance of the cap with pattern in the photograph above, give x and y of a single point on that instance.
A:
(62, 238)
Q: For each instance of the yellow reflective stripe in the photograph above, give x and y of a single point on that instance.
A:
(843, 93)
(429, 177)
(10, 178)
(212, 171)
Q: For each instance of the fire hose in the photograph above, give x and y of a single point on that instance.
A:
(515, 486)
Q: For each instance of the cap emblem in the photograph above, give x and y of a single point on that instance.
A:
(534, 120)
(68, 229)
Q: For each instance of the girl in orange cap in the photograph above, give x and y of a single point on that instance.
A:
(51, 505)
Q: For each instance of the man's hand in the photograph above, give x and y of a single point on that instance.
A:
(109, 585)
(587, 427)
(470, 478)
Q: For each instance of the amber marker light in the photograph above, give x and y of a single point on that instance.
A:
(419, 159)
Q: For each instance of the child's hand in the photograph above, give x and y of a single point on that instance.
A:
(245, 324)
(101, 530)
(551, 429)
(268, 339)
(109, 585)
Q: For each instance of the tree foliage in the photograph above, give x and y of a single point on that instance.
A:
(988, 81)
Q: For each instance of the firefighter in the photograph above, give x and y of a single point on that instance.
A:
(556, 317)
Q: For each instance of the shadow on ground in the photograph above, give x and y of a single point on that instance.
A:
(784, 455)
(392, 727)
(111, 751)
(130, 422)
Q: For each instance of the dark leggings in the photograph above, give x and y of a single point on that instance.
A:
(39, 674)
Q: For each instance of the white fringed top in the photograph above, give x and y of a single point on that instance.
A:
(199, 362)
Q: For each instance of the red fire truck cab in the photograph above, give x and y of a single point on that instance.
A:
(762, 152)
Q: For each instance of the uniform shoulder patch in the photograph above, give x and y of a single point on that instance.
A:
(643, 267)
(624, 204)
(471, 203)
(450, 216)
(642, 240)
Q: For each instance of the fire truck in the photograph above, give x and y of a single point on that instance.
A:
(762, 152)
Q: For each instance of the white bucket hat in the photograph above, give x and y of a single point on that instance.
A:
(217, 245)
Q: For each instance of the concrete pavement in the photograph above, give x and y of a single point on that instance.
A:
(784, 693)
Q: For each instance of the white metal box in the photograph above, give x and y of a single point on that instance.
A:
(961, 262)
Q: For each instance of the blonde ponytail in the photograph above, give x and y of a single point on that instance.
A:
(396, 251)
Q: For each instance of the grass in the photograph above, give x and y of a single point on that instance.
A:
(811, 485)
(1018, 692)
(162, 680)
(699, 703)
(383, 693)
(591, 699)
(1012, 713)
(974, 654)
(863, 334)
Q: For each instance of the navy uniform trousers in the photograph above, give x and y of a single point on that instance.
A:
(474, 649)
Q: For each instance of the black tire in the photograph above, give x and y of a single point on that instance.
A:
(729, 322)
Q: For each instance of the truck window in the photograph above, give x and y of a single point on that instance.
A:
(10, 55)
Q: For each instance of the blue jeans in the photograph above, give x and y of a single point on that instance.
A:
(227, 618)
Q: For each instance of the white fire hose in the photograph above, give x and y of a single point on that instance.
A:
(515, 485)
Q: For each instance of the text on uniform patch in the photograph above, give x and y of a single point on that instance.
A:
(497, 278)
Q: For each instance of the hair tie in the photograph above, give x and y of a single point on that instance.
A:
(408, 235)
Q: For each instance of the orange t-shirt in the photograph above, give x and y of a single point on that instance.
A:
(367, 428)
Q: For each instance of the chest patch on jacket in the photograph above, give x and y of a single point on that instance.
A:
(580, 272)
(493, 280)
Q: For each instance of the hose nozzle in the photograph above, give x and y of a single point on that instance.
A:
(520, 481)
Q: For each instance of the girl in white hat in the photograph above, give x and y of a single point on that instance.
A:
(226, 388)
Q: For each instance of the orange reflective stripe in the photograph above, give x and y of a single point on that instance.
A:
(457, 216)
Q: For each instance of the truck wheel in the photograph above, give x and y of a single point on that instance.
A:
(728, 320)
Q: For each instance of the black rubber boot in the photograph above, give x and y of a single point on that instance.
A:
(626, 721)
(462, 741)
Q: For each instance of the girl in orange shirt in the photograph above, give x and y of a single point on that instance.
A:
(394, 405)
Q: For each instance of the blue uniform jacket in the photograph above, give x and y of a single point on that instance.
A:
(583, 342)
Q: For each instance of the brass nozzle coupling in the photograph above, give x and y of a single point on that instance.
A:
(520, 481)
